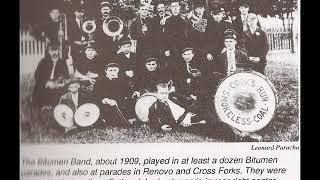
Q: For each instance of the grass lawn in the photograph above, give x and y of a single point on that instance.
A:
(282, 70)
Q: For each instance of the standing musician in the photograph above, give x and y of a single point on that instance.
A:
(255, 43)
(105, 43)
(175, 30)
(51, 29)
(75, 32)
(115, 97)
(141, 31)
(215, 33)
(158, 25)
(50, 76)
(198, 21)
(240, 23)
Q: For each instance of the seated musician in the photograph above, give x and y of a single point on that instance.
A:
(50, 77)
(165, 114)
(127, 60)
(115, 97)
(150, 75)
(74, 98)
(89, 68)
(190, 76)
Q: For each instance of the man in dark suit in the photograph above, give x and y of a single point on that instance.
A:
(198, 22)
(240, 23)
(127, 61)
(105, 44)
(75, 32)
(214, 42)
(175, 29)
(50, 77)
(255, 43)
(113, 92)
(158, 35)
(141, 31)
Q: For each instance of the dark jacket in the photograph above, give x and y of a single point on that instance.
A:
(158, 35)
(175, 29)
(221, 63)
(214, 41)
(160, 114)
(186, 84)
(42, 75)
(256, 45)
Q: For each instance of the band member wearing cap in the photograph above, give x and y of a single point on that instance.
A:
(189, 79)
(105, 43)
(165, 114)
(112, 93)
(175, 30)
(255, 43)
(128, 61)
(74, 98)
(198, 22)
(215, 33)
(89, 67)
(230, 60)
(50, 77)
(141, 30)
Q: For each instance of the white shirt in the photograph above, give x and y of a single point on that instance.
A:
(75, 99)
(52, 71)
(79, 22)
(127, 55)
(231, 61)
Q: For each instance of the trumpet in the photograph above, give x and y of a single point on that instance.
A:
(112, 26)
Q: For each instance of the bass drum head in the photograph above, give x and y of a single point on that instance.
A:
(143, 104)
(87, 114)
(246, 101)
(63, 114)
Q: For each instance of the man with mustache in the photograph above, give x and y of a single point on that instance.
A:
(50, 78)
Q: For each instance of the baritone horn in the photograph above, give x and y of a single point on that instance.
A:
(112, 26)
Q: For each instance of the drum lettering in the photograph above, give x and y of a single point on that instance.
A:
(263, 94)
(242, 82)
(225, 93)
(260, 115)
(248, 121)
(224, 98)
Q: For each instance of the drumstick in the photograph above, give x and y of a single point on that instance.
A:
(200, 122)
(121, 115)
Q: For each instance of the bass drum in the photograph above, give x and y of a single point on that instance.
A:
(143, 104)
(246, 101)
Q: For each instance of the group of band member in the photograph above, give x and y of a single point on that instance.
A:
(180, 58)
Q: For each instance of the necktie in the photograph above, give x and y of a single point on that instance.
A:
(231, 63)
(52, 71)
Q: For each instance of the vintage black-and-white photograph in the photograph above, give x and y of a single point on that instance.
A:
(159, 71)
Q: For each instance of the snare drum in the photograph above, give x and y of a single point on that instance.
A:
(246, 101)
(143, 104)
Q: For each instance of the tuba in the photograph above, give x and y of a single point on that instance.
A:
(112, 26)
